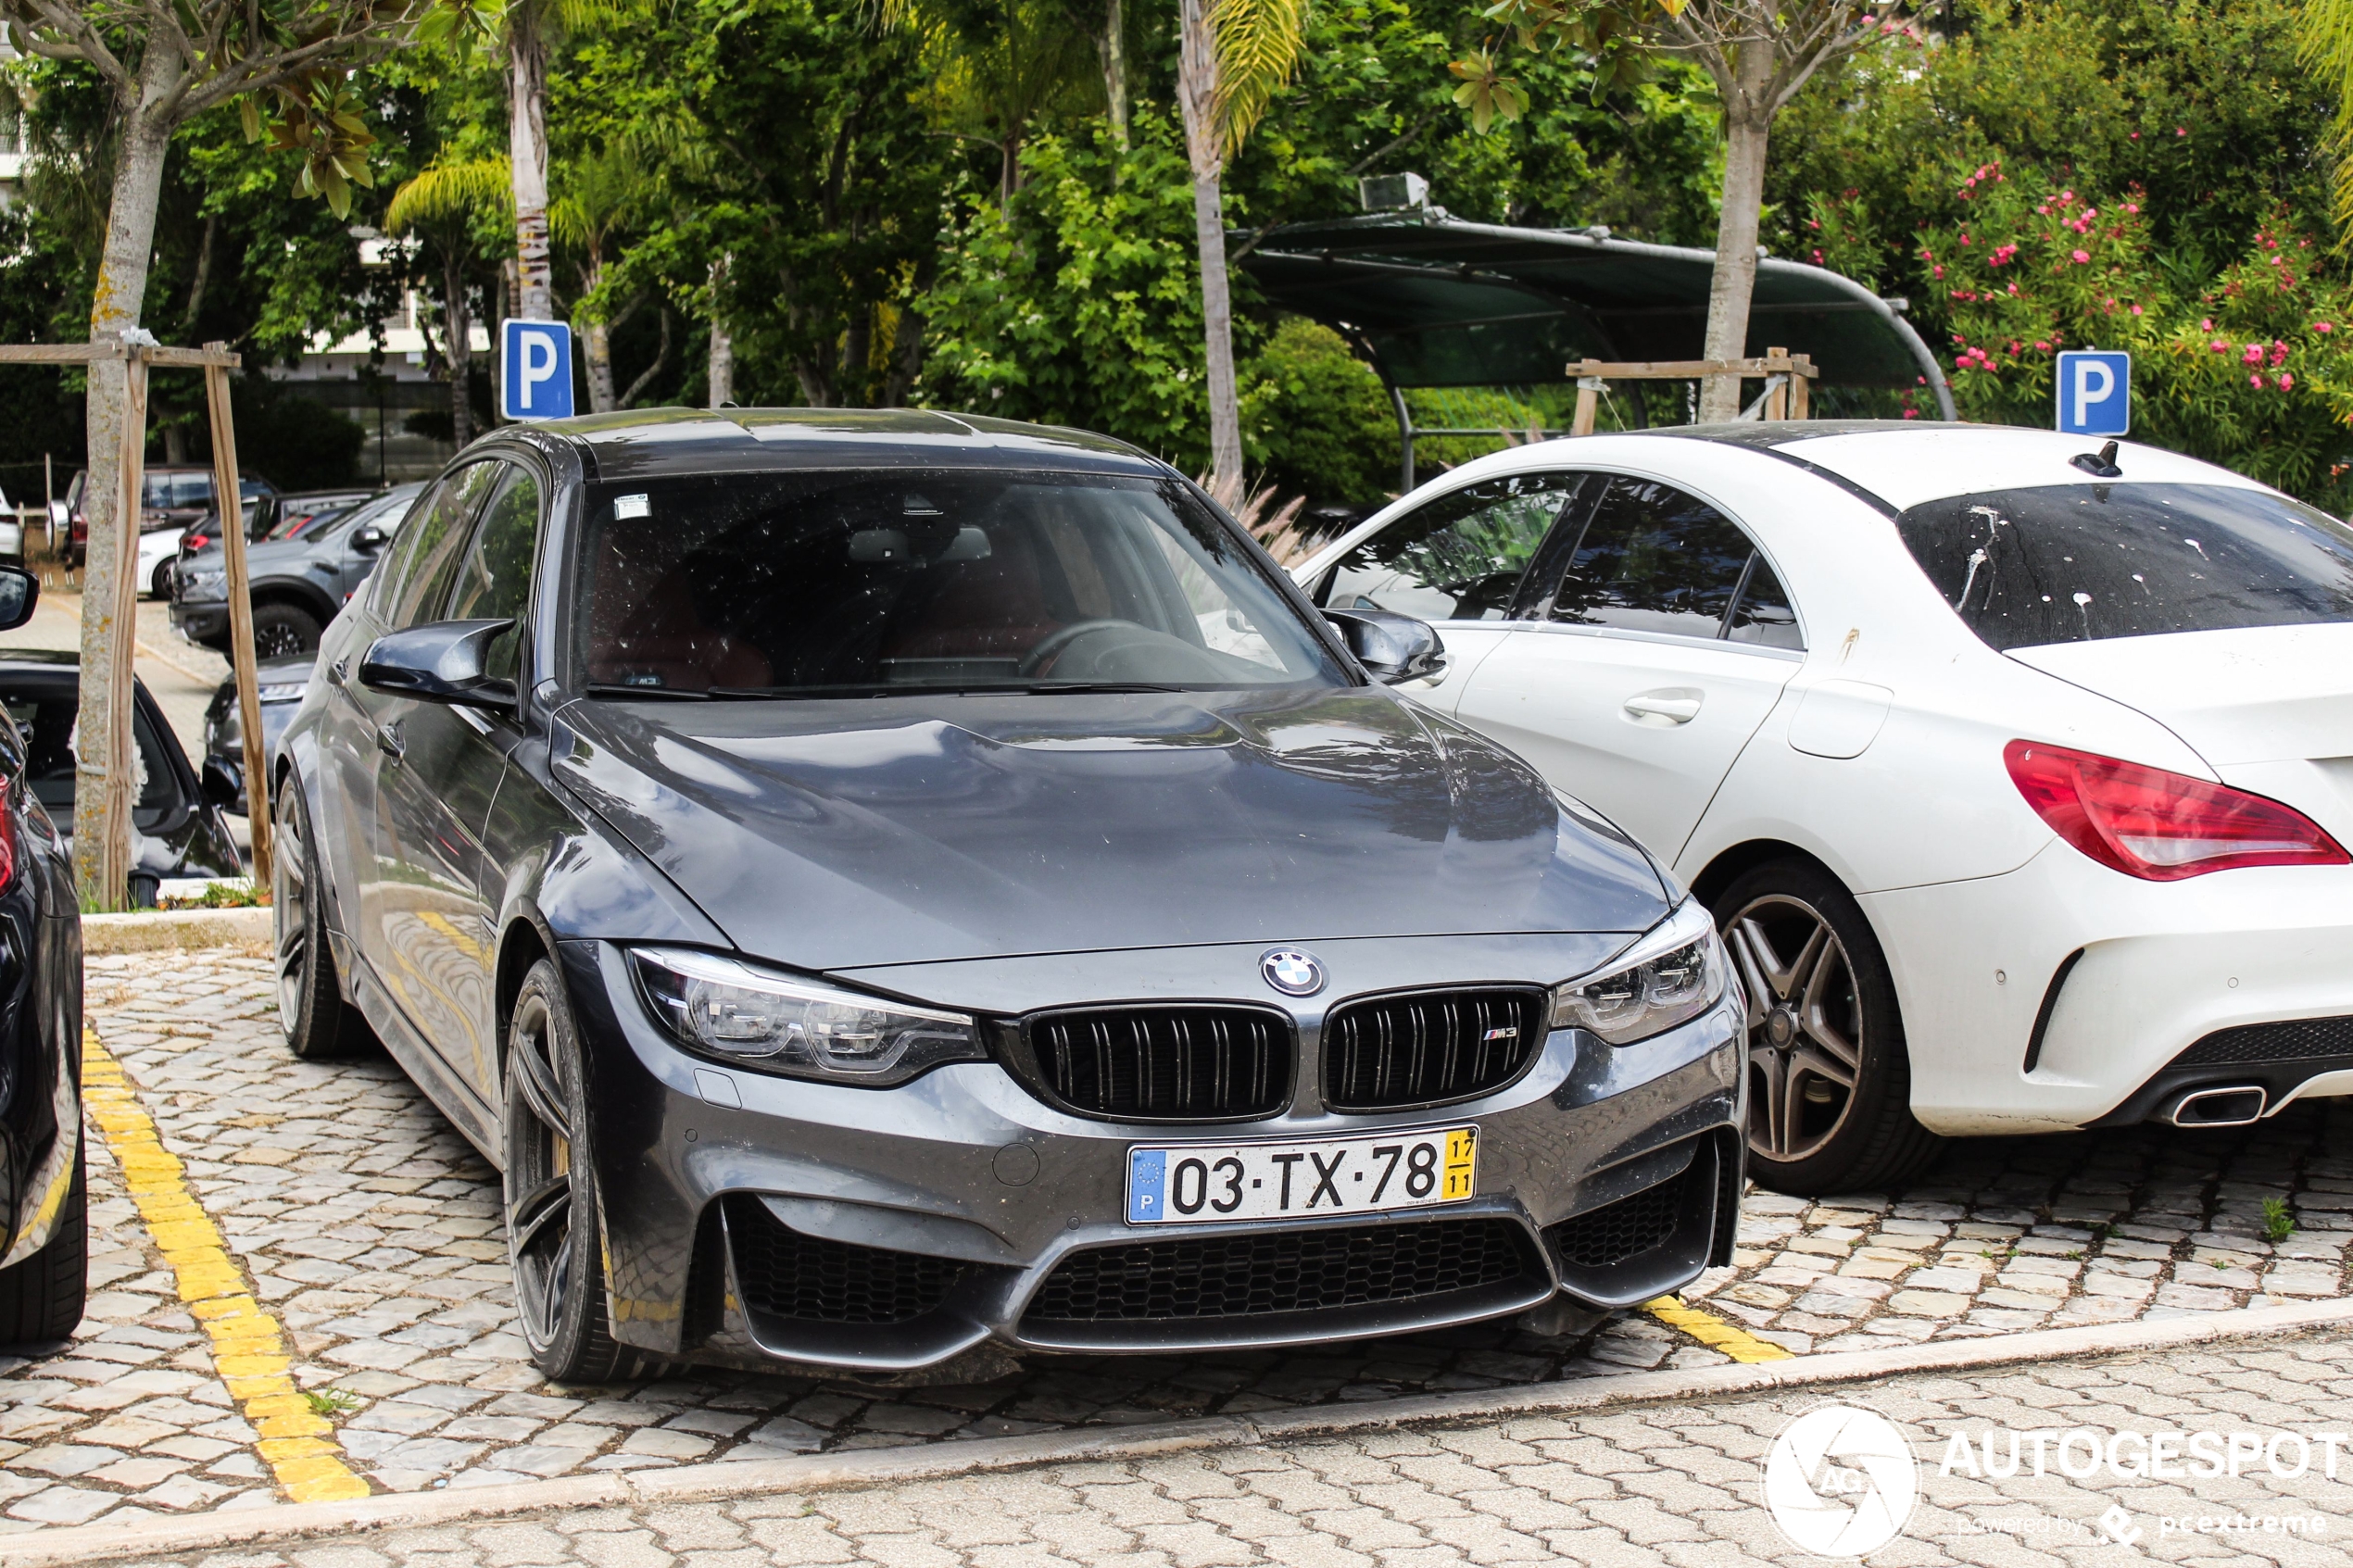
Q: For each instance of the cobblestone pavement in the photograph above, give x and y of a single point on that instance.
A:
(372, 1231)
(1676, 1485)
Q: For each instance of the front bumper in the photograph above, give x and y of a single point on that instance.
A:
(202, 621)
(954, 1199)
(2163, 967)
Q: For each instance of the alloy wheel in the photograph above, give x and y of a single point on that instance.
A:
(290, 901)
(277, 642)
(1804, 1025)
(539, 1186)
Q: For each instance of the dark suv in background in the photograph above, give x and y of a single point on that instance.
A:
(299, 585)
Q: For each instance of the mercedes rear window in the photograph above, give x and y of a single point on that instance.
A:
(2077, 563)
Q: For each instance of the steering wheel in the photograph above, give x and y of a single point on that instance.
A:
(1052, 647)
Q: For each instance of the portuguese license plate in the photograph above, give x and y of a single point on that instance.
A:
(1198, 1183)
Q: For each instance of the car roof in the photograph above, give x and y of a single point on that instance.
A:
(654, 441)
(1898, 464)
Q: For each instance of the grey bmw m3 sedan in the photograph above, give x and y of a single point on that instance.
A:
(880, 883)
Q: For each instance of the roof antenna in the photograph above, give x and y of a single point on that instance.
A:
(2100, 464)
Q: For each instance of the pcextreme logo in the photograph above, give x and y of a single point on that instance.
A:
(1840, 1482)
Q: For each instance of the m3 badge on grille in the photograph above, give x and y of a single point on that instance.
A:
(1292, 972)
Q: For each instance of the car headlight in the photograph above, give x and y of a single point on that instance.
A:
(1674, 973)
(775, 1022)
(204, 585)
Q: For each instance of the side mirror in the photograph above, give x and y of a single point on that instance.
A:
(440, 662)
(223, 781)
(1391, 647)
(369, 540)
(19, 591)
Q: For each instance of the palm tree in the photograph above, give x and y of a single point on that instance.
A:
(532, 28)
(1233, 56)
(441, 204)
(603, 194)
(2326, 43)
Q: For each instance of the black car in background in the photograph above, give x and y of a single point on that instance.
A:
(282, 682)
(43, 1239)
(299, 585)
(177, 826)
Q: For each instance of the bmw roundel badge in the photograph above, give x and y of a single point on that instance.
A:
(1292, 972)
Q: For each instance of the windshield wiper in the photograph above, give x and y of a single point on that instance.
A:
(661, 694)
(1060, 686)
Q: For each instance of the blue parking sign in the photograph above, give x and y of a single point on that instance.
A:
(535, 370)
(2095, 392)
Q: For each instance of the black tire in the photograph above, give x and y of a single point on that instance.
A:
(280, 631)
(553, 1237)
(317, 1023)
(42, 1299)
(159, 585)
(1829, 1075)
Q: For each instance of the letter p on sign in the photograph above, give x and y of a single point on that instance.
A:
(535, 370)
(2095, 394)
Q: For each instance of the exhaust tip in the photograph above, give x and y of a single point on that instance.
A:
(2240, 1105)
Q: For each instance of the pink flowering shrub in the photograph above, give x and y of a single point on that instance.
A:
(2248, 371)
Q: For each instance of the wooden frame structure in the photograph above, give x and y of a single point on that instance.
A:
(216, 361)
(1788, 381)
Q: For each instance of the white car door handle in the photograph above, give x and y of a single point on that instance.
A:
(1679, 707)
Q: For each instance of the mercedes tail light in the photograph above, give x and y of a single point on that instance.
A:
(2161, 826)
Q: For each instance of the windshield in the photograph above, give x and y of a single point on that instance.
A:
(384, 510)
(2081, 562)
(827, 585)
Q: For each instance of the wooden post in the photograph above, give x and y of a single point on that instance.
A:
(1589, 396)
(121, 755)
(1800, 387)
(231, 502)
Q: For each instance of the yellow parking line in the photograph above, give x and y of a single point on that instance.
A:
(1713, 1331)
(248, 1346)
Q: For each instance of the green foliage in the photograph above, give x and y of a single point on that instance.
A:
(1316, 418)
(2191, 133)
(1077, 303)
(298, 442)
(2248, 368)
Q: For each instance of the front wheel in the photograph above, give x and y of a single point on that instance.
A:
(161, 584)
(551, 1192)
(317, 1021)
(283, 631)
(1829, 1079)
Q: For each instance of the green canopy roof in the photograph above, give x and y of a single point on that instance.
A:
(1438, 302)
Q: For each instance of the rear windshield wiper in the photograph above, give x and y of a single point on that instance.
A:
(661, 694)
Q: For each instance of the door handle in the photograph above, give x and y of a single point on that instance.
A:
(1672, 707)
(389, 741)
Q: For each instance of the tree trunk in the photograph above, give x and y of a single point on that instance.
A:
(100, 867)
(1748, 123)
(723, 347)
(527, 148)
(1197, 91)
(597, 344)
(502, 306)
(1111, 48)
(459, 327)
(907, 338)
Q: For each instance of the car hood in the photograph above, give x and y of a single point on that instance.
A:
(909, 830)
(2252, 694)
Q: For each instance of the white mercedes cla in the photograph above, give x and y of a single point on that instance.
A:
(2016, 767)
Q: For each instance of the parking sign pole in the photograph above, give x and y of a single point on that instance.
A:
(229, 501)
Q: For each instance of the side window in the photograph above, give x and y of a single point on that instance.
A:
(1652, 559)
(424, 558)
(1457, 558)
(1762, 614)
(493, 583)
